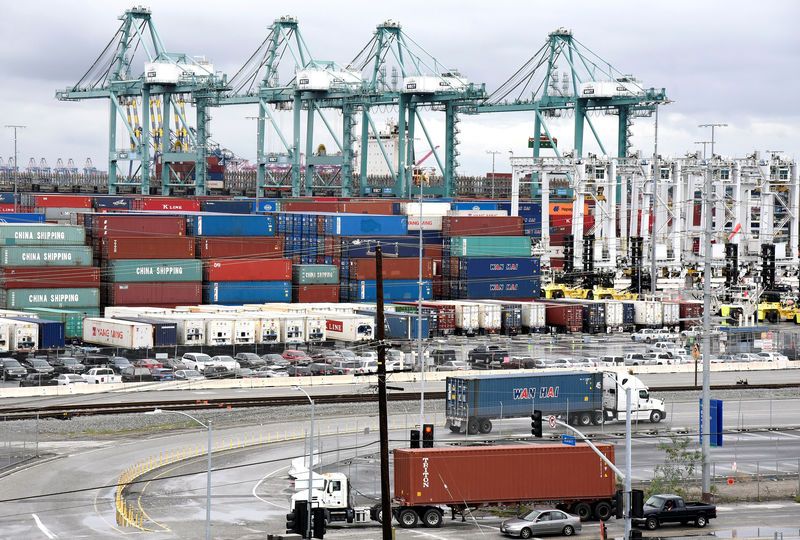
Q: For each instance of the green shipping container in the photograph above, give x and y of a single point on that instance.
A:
(41, 234)
(55, 298)
(315, 274)
(154, 270)
(72, 318)
(490, 246)
(46, 256)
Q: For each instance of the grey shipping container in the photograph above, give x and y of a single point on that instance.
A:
(46, 256)
(55, 298)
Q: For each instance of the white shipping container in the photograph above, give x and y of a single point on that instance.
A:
(647, 313)
(429, 84)
(481, 213)
(292, 327)
(244, 331)
(671, 314)
(191, 328)
(315, 327)
(219, 331)
(490, 316)
(429, 223)
(467, 317)
(125, 311)
(615, 314)
(162, 73)
(117, 333)
(347, 327)
(533, 315)
(21, 335)
(267, 326)
(411, 209)
(4, 337)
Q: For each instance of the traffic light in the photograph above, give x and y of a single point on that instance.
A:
(297, 519)
(427, 435)
(414, 438)
(536, 424)
(319, 522)
(637, 503)
(619, 504)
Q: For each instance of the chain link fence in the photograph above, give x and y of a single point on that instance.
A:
(18, 443)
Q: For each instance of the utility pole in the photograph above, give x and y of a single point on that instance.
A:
(494, 153)
(704, 143)
(705, 419)
(386, 502)
(15, 127)
(712, 126)
(656, 177)
(419, 315)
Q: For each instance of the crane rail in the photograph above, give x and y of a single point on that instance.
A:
(66, 412)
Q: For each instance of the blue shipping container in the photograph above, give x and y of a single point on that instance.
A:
(228, 207)
(7, 197)
(393, 289)
(165, 333)
(490, 396)
(474, 205)
(51, 333)
(498, 267)
(266, 205)
(365, 224)
(10, 217)
(106, 202)
(628, 313)
(231, 225)
(401, 325)
(498, 288)
(247, 292)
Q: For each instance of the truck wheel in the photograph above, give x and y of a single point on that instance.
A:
(651, 523)
(407, 518)
(701, 521)
(472, 426)
(585, 419)
(655, 417)
(602, 511)
(597, 418)
(583, 511)
(432, 518)
(376, 513)
(485, 425)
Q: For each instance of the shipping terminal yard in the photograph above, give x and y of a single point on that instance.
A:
(351, 338)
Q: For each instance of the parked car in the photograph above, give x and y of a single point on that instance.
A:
(651, 335)
(274, 359)
(321, 368)
(454, 365)
(249, 360)
(692, 332)
(12, 370)
(136, 374)
(149, 363)
(584, 362)
(661, 509)
(91, 360)
(666, 346)
(118, 363)
(747, 357)
(518, 362)
(657, 359)
(612, 361)
(327, 356)
(218, 372)
(395, 360)
(270, 373)
(162, 374)
(174, 364)
(536, 522)
(188, 375)
(346, 367)
(297, 370)
(368, 365)
(560, 363)
(39, 379)
(634, 359)
(67, 364)
(196, 361)
(244, 373)
(66, 379)
(440, 356)
(771, 357)
(37, 365)
(487, 354)
(295, 356)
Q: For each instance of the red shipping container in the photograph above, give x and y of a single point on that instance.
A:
(62, 201)
(367, 207)
(261, 247)
(482, 226)
(690, 313)
(154, 294)
(393, 268)
(568, 317)
(433, 251)
(247, 270)
(129, 225)
(167, 204)
(148, 247)
(502, 474)
(49, 277)
(310, 206)
(303, 294)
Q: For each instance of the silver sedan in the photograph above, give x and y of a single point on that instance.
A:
(539, 522)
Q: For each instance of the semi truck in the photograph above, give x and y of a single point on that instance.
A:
(429, 481)
(580, 397)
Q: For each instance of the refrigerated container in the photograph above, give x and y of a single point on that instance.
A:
(511, 313)
(117, 333)
(534, 317)
(316, 331)
(489, 316)
(671, 314)
(466, 317)
(46, 256)
(247, 270)
(50, 334)
(267, 326)
(147, 247)
(189, 329)
(23, 335)
(49, 277)
(244, 331)
(41, 234)
(349, 327)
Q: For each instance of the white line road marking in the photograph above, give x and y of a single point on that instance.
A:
(429, 535)
(42, 528)
(259, 483)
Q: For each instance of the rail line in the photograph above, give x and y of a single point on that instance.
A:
(89, 409)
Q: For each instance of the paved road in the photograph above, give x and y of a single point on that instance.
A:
(250, 488)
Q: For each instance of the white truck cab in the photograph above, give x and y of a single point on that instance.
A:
(643, 407)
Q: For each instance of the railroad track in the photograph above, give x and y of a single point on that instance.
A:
(88, 409)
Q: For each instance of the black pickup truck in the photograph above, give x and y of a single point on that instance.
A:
(662, 509)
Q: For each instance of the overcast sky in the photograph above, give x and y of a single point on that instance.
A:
(720, 61)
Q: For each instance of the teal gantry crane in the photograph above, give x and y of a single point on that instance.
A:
(166, 81)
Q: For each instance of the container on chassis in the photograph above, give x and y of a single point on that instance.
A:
(594, 314)
(489, 316)
(147, 247)
(402, 326)
(189, 330)
(50, 333)
(165, 332)
(118, 333)
(23, 335)
(349, 327)
(49, 277)
(267, 326)
(534, 318)
(671, 314)
(564, 317)
(648, 314)
(690, 313)
(511, 316)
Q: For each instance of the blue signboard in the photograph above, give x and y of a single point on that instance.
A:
(568, 440)
(716, 422)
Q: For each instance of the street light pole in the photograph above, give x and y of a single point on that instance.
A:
(656, 178)
(208, 470)
(712, 126)
(704, 143)
(494, 153)
(310, 458)
(16, 162)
